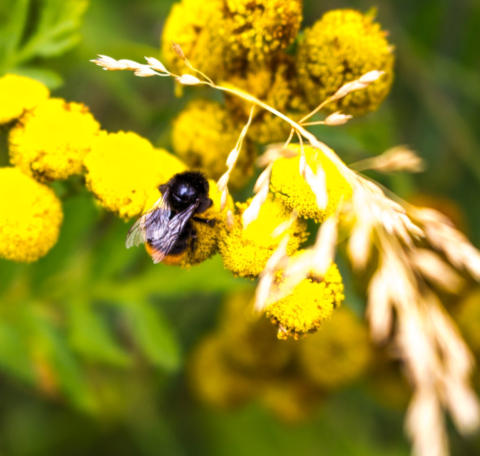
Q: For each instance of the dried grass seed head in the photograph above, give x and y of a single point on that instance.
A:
(245, 252)
(292, 189)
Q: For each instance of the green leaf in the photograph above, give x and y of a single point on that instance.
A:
(49, 77)
(153, 335)
(13, 17)
(51, 345)
(79, 216)
(56, 29)
(90, 336)
(14, 353)
(111, 257)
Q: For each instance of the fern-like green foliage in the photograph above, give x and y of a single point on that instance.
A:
(32, 30)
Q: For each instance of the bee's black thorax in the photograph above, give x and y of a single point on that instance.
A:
(186, 189)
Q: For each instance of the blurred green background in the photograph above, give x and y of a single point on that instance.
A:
(111, 333)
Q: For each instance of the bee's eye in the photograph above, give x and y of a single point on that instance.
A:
(184, 193)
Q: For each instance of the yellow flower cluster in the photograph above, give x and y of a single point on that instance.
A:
(249, 339)
(19, 95)
(204, 134)
(336, 354)
(291, 188)
(213, 379)
(221, 36)
(274, 83)
(30, 217)
(340, 47)
(123, 170)
(193, 25)
(243, 42)
(245, 252)
(54, 139)
(308, 306)
(50, 141)
(253, 30)
(289, 378)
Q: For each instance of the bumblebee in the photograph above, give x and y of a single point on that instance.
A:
(167, 229)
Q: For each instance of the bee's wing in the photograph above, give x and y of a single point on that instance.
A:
(164, 239)
(153, 221)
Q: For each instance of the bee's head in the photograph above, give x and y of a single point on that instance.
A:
(186, 189)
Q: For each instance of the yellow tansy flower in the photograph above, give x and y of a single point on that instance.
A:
(309, 304)
(19, 94)
(340, 47)
(337, 353)
(123, 170)
(256, 29)
(275, 84)
(218, 37)
(214, 380)
(194, 25)
(51, 141)
(245, 252)
(203, 136)
(30, 217)
(250, 339)
(292, 189)
(291, 399)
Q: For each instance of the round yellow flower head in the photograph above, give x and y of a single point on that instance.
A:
(467, 316)
(206, 243)
(276, 84)
(290, 399)
(51, 141)
(30, 217)
(256, 29)
(340, 47)
(309, 304)
(123, 170)
(221, 36)
(19, 94)
(337, 353)
(245, 252)
(292, 189)
(203, 136)
(214, 380)
(249, 339)
(193, 25)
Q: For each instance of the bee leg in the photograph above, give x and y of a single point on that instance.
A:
(209, 222)
(193, 239)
